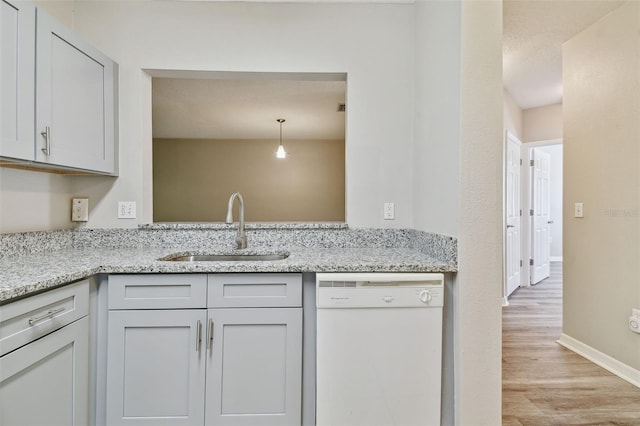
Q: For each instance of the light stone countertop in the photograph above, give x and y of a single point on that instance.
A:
(23, 275)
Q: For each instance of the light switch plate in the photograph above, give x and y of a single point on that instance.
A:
(578, 210)
(79, 209)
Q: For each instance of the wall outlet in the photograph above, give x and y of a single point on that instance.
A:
(126, 209)
(389, 211)
(79, 209)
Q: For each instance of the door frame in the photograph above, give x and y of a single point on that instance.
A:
(526, 192)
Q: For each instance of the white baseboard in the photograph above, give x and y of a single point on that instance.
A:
(505, 301)
(555, 258)
(612, 365)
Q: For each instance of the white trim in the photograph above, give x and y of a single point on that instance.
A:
(610, 364)
(555, 258)
(505, 301)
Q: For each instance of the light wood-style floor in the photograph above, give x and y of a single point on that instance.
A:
(546, 384)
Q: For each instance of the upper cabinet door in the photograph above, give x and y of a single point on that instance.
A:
(75, 118)
(17, 74)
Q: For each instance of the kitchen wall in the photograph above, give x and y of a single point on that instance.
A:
(446, 179)
(601, 106)
(542, 123)
(34, 201)
(193, 179)
(266, 37)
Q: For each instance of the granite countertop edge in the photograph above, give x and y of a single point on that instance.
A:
(25, 275)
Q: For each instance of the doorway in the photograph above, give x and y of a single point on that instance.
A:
(533, 211)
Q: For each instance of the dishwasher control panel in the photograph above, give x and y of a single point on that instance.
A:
(379, 290)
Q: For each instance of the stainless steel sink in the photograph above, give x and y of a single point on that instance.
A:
(225, 257)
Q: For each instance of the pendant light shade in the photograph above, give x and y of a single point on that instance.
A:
(281, 153)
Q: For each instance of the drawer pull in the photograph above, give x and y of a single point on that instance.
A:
(198, 336)
(49, 314)
(210, 335)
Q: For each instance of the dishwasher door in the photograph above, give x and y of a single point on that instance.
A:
(379, 349)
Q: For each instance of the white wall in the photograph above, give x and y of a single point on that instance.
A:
(601, 103)
(479, 282)
(372, 43)
(34, 201)
(436, 153)
(555, 151)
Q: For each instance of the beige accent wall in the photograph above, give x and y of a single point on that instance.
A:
(512, 115)
(602, 170)
(193, 179)
(542, 123)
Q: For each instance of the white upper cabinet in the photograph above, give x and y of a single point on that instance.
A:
(70, 85)
(17, 74)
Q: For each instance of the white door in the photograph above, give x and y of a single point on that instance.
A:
(541, 217)
(513, 215)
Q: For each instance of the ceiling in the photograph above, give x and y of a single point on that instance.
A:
(534, 31)
(198, 108)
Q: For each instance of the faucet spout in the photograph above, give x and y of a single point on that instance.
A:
(241, 238)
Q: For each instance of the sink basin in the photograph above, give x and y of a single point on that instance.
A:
(225, 257)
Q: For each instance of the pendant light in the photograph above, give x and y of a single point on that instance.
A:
(281, 153)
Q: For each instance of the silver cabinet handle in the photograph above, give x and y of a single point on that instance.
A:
(49, 314)
(510, 226)
(549, 222)
(47, 137)
(210, 335)
(198, 335)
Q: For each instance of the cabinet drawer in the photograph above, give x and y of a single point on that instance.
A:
(255, 290)
(173, 291)
(28, 319)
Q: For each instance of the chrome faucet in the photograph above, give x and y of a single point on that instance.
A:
(241, 238)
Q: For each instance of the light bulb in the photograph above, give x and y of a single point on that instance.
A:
(281, 153)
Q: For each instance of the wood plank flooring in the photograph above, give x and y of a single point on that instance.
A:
(546, 384)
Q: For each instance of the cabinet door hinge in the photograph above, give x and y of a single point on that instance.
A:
(521, 263)
(531, 262)
(521, 161)
(531, 212)
(531, 163)
(520, 212)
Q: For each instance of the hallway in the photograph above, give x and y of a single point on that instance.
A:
(546, 384)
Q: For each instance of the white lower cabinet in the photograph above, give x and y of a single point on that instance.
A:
(156, 368)
(202, 365)
(254, 370)
(46, 380)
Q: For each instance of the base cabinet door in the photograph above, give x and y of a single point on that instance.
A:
(254, 367)
(156, 367)
(47, 381)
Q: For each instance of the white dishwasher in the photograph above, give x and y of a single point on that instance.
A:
(379, 349)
